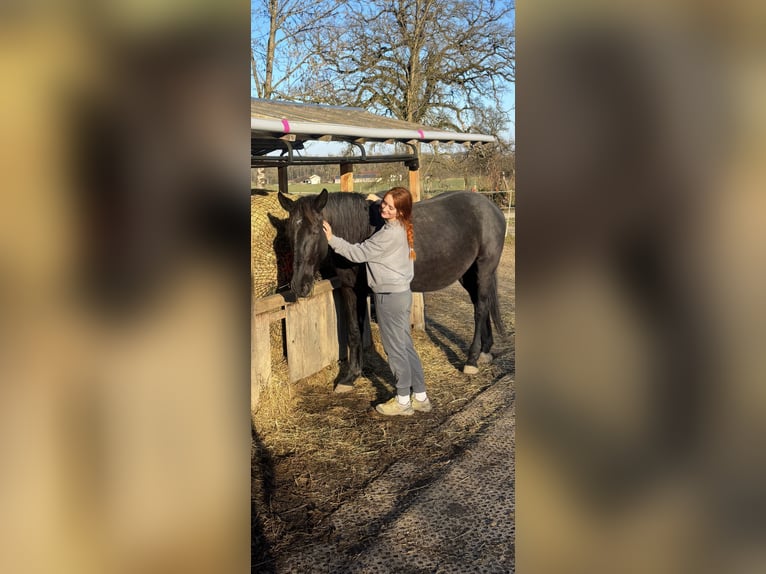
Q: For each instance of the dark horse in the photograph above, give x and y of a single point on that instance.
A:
(459, 236)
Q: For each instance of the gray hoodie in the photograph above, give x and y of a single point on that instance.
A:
(387, 254)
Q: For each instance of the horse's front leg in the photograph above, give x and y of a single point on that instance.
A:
(354, 340)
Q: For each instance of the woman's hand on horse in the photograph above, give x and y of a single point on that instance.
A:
(327, 230)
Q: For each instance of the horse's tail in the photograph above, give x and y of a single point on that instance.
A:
(494, 306)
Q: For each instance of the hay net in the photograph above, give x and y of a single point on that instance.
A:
(270, 256)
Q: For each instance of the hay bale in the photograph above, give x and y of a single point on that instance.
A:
(270, 267)
(270, 262)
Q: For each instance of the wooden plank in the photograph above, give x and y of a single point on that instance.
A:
(277, 301)
(300, 354)
(312, 336)
(276, 315)
(329, 350)
(260, 362)
(268, 304)
(294, 335)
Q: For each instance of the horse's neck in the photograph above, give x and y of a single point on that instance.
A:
(351, 222)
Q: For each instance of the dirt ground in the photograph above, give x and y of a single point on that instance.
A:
(314, 450)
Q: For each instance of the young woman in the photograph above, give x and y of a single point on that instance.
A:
(389, 254)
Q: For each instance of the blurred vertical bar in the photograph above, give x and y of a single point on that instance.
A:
(124, 287)
(641, 269)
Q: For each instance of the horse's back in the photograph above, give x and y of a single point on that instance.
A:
(460, 217)
(452, 231)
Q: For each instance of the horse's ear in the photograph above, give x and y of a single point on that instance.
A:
(276, 223)
(320, 201)
(285, 202)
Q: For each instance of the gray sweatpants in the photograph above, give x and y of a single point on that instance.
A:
(393, 312)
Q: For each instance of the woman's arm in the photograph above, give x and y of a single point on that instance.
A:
(369, 250)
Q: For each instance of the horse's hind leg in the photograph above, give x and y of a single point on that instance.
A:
(485, 356)
(470, 281)
(489, 295)
(479, 281)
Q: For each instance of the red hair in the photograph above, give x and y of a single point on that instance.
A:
(403, 204)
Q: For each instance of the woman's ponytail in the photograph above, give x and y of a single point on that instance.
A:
(403, 204)
(410, 239)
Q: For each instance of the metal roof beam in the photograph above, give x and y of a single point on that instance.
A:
(260, 147)
(315, 130)
(279, 161)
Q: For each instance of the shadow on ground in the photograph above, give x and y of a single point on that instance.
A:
(448, 341)
(262, 489)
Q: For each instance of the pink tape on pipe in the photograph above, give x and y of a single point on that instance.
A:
(286, 125)
(421, 134)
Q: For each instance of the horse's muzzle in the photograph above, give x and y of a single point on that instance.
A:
(302, 288)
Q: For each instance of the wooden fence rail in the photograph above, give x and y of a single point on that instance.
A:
(311, 335)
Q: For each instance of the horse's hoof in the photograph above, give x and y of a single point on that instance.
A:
(485, 358)
(343, 389)
(470, 369)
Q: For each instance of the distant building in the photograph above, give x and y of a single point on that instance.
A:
(367, 177)
(313, 179)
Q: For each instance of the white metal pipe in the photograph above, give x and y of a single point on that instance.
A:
(311, 128)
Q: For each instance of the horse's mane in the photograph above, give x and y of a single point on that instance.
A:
(349, 215)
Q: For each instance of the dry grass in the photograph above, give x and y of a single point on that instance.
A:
(313, 449)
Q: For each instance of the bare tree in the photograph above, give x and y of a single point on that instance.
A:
(496, 161)
(427, 61)
(279, 51)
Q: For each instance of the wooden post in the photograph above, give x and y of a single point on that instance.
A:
(282, 177)
(260, 361)
(347, 177)
(417, 314)
(415, 183)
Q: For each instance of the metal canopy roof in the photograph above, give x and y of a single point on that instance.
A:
(285, 126)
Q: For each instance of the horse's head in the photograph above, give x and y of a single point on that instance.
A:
(307, 240)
